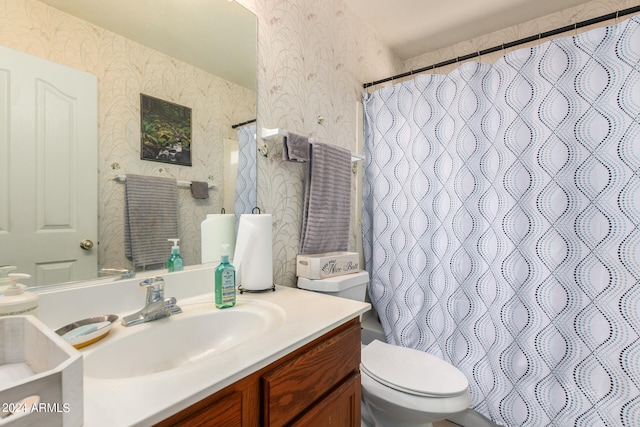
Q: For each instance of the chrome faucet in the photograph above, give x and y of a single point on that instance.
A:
(156, 305)
(122, 272)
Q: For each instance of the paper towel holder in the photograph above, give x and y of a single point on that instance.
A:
(262, 225)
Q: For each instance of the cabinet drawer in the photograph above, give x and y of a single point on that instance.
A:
(225, 412)
(295, 385)
(235, 405)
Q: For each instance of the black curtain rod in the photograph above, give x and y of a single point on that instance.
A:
(243, 123)
(629, 11)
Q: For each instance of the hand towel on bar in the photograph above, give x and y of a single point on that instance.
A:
(327, 204)
(199, 190)
(295, 148)
(151, 217)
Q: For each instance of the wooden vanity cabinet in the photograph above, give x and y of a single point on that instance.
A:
(316, 385)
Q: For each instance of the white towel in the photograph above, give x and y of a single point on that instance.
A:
(151, 217)
(327, 205)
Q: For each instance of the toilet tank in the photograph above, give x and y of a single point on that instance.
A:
(351, 286)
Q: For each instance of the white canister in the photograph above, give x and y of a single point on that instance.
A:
(15, 301)
(216, 230)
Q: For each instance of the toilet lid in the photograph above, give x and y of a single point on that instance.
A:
(411, 371)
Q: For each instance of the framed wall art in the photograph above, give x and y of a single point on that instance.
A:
(165, 131)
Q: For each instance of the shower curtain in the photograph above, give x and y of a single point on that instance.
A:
(500, 227)
(246, 194)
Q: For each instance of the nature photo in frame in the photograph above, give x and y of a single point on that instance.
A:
(165, 131)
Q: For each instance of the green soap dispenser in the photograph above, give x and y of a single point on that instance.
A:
(225, 287)
(174, 263)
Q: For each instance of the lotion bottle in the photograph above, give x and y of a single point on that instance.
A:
(225, 286)
(15, 301)
(174, 263)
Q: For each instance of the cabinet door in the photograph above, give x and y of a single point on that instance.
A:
(340, 409)
(295, 386)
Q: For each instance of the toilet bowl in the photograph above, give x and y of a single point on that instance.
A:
(407, 387)
(400, 386)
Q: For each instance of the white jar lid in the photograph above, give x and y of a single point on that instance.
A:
(412, 371)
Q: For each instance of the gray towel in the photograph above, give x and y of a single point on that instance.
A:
(327, 204)
(199, 190)
(151, 217)
(295, 148)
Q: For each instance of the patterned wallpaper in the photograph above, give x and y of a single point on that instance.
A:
(124, 70)
(312, 60)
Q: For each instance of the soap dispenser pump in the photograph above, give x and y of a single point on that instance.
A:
(15, 301)
(174, 263)
(5, 281)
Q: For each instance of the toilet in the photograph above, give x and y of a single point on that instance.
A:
(400, 386)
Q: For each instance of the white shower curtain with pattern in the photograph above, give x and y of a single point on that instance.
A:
(502, 206)
(246, 194)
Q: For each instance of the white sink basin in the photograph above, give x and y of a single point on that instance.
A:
(200, 332)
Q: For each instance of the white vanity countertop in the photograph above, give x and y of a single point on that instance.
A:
(148, 399)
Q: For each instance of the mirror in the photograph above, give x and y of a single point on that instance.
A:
(202, 56)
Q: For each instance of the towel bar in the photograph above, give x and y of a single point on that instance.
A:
(181, 183)
(272, 133)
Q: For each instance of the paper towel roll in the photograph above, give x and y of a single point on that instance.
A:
(253, 258)
(216, 230)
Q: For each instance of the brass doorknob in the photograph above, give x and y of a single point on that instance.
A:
(86, 244)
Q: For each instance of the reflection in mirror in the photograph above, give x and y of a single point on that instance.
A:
(108, 41)
(246, 197)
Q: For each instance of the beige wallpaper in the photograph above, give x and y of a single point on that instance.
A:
(313, 57)
(124, 70)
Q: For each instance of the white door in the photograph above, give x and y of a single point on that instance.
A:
(48, 168)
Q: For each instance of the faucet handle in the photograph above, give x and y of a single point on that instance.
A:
(152, 281)
(155, 288)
